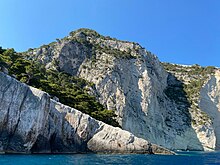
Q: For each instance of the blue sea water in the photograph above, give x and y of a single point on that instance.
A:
(183, 158)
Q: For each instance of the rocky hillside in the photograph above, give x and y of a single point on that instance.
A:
(193, 79)
(69, 90)
(168, 107)
(201, 85)
(209, 102)
(31, 122)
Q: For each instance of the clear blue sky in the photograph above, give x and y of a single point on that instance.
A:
(178, 31)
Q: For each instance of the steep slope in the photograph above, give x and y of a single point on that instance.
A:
(69, 90)
(131, 81)
(196, 82)
(31, 122)
(210, 103)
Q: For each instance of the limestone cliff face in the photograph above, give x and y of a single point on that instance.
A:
(210, 104)
(193, 79)
(31, 122)
(149, 102)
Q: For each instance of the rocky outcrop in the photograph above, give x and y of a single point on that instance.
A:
(193, 78)
(32, 122)
(149, 102)
(135, 89)
(210, 104)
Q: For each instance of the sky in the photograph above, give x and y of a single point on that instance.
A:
(177, 31)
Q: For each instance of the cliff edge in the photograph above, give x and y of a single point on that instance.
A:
(31, 122)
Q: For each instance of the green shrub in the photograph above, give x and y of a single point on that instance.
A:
(69, 89)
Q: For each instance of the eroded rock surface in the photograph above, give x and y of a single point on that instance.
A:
(31, 122)
(148, 101)
(210, 103)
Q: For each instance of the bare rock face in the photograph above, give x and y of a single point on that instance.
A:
(149, 102)
(31, 122)
(210, 104)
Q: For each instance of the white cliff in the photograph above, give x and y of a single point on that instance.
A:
(31, 122)
(210, 103)
(149, 102)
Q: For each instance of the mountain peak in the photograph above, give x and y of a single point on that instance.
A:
(85, 31)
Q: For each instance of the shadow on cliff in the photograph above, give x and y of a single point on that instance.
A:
(176, 94)
(135, 119)
(57, 135)
(63, 138)
(212, 110)
(72, 56)
(158, 119)
(11, 142)
(15, 143)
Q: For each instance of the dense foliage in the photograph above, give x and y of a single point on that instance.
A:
(70, 90)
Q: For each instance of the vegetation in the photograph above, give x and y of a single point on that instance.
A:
(176, 93)
(69, 89)
(196, 74)
(190, 70)
(193, 78)
(88, 32)
(114, 52)
(94, 46)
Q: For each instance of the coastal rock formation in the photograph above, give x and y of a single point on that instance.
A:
(210, 104)
(152, 103)
(32, 122)
(193, 79)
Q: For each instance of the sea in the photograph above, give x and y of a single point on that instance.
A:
(182, 158)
